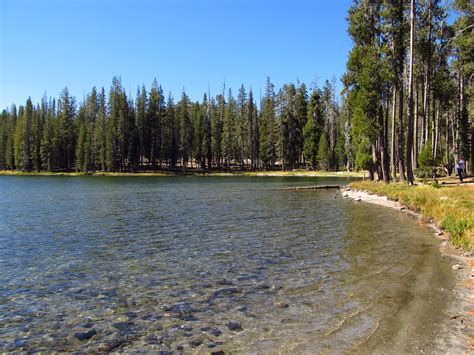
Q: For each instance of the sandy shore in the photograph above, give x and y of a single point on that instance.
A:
(462, 307)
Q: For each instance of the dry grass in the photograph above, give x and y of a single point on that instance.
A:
(452, 207)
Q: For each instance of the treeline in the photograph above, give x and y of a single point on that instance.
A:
(408, 86)
(406, 108)
(112, 132)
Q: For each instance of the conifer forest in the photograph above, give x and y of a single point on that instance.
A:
(405, 108)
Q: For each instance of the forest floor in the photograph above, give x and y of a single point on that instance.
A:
(449, 209)
(177, 172)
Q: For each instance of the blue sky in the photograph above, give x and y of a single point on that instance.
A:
(48, 44)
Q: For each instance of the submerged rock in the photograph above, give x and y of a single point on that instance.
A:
(123, 326)
(234, 326)
(214, 344)
(185, 328)
(457, 267)
(224, 282)
(243, 309)
(225, 292)
(19, 343)
(187, 317)
(214, 331)
(195, 343)
(280, 304)
(85, 335)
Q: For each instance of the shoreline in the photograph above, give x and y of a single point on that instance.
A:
(462, 307)
(192, 172)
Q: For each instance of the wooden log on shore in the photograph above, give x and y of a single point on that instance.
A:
(315, 187)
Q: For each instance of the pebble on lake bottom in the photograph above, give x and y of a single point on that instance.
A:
(234, 326)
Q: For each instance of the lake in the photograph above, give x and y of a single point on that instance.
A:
(201, 264)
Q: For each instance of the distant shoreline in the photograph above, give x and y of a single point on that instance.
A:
(191, 172)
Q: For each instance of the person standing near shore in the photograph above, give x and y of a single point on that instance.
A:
(460, 167)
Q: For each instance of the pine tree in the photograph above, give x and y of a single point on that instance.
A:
(301, 107)
(23, 138)
(174, 132)
(37, 133)
(228, 130)
(65, 132)
(313, 128)
(47, 150)
(92, 112)
(154, 117)
(186, 130)
(142, 123)
(197, 121)
(289, 123)
(365, 78)
(207, 131)
(463, 45)
(100, 133)
(242, 151)
(254, 135)
(324, 154)
(268, 139)
(80, 148)
(217, 117)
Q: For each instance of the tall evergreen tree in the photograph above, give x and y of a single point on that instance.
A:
(228, 130)
(243, 149)
(254, 135)
(313, 128)
(207, 131)
(100, 133)
(268, 139)
(173, 132)
(301, 112)
(24, 139)
(65, 131)
(365, 78)
(217, 118)
(289, 123)
(186, 129)
(142, 123)
(155, 114)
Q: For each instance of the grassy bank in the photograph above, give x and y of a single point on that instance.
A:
(190, 172)
(452, 208)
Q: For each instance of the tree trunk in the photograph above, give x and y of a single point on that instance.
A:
(401, 54)
(423, 117)
(415, 138)
(428, 76)
(383, 145)
(376, 162)
(448, 163)
(436, 132)
(410, 176)
(433, 126)
(393, 157)
(453, 131)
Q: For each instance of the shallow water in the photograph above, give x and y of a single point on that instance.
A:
(158, 263)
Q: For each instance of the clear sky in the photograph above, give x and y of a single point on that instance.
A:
(191, 44)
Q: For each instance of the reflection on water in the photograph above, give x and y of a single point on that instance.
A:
(203, 264)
